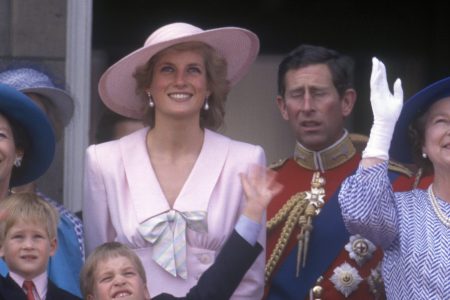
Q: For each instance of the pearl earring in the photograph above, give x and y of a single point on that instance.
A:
(424, 155)
(206, 105)
(150, 100)
(18, 161)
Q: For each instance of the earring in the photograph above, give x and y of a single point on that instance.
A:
(206, 105)
(424, 155)
(18, 161)
(150, 100)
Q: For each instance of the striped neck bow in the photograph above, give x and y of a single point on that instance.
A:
(167, 233)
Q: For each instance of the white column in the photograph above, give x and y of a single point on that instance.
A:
(78, 70)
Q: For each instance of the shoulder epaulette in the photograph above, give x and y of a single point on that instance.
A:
(359, 141)
(278, 163)
(400, 168)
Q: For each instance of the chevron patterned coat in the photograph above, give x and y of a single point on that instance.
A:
(416, 263)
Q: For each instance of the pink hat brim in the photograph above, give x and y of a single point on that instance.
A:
(117, 86)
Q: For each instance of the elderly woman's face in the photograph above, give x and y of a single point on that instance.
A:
(8, 151)
(179, 83)
(437, 134)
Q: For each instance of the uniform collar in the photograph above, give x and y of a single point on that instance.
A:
(328, 158)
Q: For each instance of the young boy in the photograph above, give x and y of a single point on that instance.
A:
(115, 271)
(28, 240)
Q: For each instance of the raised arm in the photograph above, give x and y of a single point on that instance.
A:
(238, 254)
(366, 198)
(386, 108)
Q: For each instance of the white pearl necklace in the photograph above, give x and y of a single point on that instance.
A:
(437, 210)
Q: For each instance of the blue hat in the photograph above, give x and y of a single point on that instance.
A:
(29, 80)
(14, 105)
(401, 146)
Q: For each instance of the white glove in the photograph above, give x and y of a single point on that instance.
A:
(386, 110)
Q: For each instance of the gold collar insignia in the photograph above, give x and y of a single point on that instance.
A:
(326, 159)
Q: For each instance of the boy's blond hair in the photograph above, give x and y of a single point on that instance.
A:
(104, 252)
(28, 208)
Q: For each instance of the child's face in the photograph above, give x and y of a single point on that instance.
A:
(118, 277)
(27, 249)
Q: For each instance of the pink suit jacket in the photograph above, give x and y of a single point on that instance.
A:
(121, 191)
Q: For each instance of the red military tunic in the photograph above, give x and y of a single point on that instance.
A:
(336, 163)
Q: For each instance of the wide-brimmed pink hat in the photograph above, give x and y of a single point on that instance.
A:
(117, 86)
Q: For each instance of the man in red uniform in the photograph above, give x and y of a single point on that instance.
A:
(319, 260)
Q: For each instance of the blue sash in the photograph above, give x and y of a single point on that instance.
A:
(327, 240)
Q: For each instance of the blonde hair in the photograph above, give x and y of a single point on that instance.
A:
(29, 208)
(104, 252)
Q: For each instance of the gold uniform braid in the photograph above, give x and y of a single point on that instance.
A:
(292, 210)
(282, 214)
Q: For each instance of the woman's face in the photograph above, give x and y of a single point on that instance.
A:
(437, 134)
(8, 150)
(179, 84)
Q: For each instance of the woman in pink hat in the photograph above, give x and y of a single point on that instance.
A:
(172, 190)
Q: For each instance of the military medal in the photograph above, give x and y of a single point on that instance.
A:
(375, 282)
(346, 279)
(360, 249)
